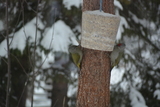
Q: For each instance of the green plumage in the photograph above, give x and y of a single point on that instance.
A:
(117, 54)
(76, 54)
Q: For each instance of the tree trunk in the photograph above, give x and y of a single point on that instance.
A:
(59, 92)
(94, 79)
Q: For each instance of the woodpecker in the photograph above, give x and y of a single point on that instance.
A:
(116, 54)
(76, 54)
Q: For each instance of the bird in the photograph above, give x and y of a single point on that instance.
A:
(116, 54)
(76, 54)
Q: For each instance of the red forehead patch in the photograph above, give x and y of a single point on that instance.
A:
(119, 44)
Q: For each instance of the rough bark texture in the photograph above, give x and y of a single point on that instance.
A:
(94, 79)
(108, 5)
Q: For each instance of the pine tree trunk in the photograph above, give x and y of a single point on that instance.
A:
(94, 79)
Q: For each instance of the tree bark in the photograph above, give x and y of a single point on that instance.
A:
(94, 78)
(108, 5)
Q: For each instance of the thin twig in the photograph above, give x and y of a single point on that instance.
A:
(55, 103)
(31, 7)
(15, 28)
(4, 61)
(23, 91)
(64, 100)
(29, 56)
(49, 44)
(34, 57)
(8, 54)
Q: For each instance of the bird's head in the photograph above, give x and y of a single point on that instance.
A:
(121, 46)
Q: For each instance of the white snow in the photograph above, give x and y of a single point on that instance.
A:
(143, 22)
(1, 25)
(98, 12)
(39, 103)
(58, 37)
(19, 37)
(40, 95)
(69, 3)
(15, 10)
(19, 40)
(46, 59)
(155, 37)
(124, 23)
(146, 54)
(118, 4)
(152, 25)
(116, 75)
(71, 90)
(3, 48)
(157, 93)
(136, 98)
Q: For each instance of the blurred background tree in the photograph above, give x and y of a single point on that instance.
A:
(139, 30)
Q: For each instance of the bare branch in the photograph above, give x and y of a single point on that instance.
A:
(4, 61)
(23, 92)
(34, 57)
(15, 28)
(8, 54)
(49, 44)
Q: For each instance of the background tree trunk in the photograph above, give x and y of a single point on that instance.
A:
(94, 79)
(59, 92)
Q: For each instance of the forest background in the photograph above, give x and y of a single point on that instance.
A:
(40, 32)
